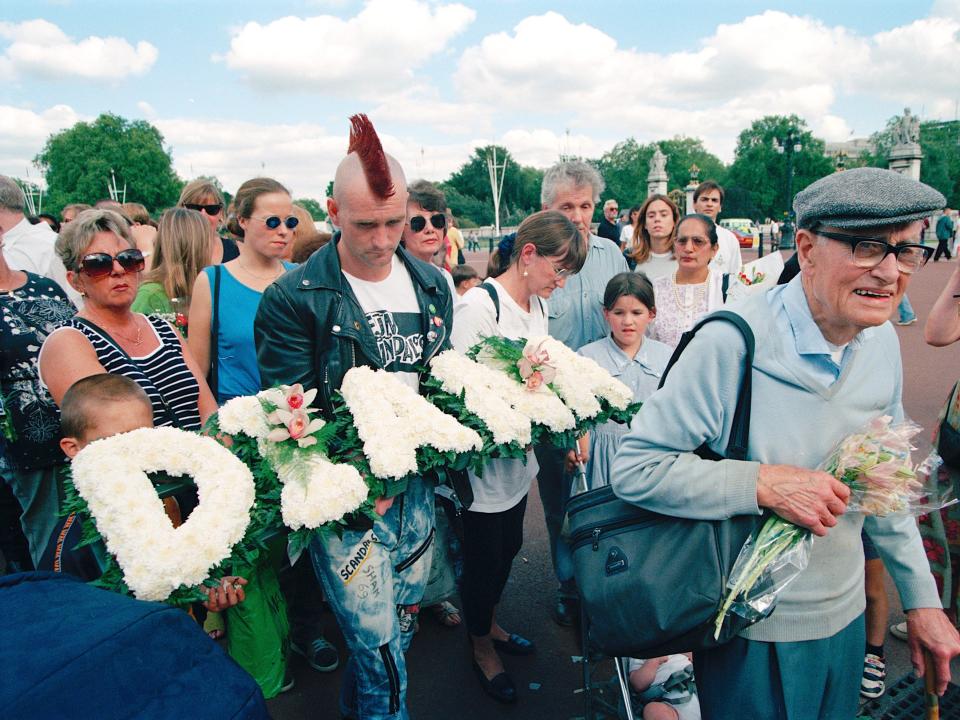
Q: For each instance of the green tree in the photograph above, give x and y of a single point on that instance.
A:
(625, 168)
(313, 207)
(77, 162)
(469, 195)
(756, 183)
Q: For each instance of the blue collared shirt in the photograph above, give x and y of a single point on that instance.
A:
(576, 309)
(813, 352)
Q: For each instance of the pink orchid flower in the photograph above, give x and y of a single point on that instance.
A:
(535, 368)
(296, 425)
(296, 398)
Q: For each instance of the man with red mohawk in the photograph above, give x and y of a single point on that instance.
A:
(363, 300)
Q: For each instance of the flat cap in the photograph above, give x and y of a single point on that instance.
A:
(865, 198)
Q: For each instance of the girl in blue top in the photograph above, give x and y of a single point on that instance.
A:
(633, 359)
(264, 219)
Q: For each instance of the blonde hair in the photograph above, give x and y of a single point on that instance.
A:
(181, 251)
(198, 190)
(137, 213)
(75, 237)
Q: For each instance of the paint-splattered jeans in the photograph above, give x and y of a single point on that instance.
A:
(374, 581)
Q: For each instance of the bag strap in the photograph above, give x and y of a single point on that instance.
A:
(725, 285)
(491, 291)
(212, 376)
(170, 412)
(740, 429)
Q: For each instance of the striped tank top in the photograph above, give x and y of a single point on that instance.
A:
(163, 374)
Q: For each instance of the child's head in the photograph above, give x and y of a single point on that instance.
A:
(628, 306)
(100, 406)
(464, 278)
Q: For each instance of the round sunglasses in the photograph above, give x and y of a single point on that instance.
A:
(273, 222)
(419, 222)
(97, 265)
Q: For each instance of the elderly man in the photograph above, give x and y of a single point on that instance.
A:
(26, 246)
(827, 362)
(609, 228)
(363, 300)
(708, 200)
(576, 318)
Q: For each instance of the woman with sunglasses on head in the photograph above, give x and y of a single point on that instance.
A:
(546, 250)
(104, 266)
(205, 197)
(693, 289)
(183, 248)
(225, 297)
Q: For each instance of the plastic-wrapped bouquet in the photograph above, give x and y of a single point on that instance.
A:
(875, 464)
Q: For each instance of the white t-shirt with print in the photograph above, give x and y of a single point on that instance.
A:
(393, 314)
(505, 480)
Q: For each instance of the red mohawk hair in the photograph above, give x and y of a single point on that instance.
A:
(365, 143)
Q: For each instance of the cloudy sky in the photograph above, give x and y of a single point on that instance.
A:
(246, 88)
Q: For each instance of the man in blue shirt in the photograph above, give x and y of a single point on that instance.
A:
(576, 318)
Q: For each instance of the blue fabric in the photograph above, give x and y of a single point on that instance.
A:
(809, 680)
(905, 310)
(376, 604)
(73, 650)
(238, 373)
(576, 309)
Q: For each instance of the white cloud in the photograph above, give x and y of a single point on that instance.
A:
(421, 106)
(376, 51)
(146, 109)
(40, 49)
(23, 134)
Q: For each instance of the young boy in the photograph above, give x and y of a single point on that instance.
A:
(97, 407)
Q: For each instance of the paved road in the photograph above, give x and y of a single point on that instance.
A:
(442, 684)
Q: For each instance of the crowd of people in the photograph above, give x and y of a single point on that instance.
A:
(112, 321)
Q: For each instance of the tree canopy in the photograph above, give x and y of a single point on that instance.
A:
(313, 207)
(756, 183)
(77, 163)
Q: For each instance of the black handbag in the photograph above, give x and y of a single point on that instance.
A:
(652, 584)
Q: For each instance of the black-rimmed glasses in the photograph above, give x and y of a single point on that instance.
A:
(869, 252)
(419, 222)
(211, 209)
(101, 264)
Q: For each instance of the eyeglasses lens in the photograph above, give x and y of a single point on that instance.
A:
(212, 209)
(909, 258)
(273, 222)
(418, 222)
(100, 264)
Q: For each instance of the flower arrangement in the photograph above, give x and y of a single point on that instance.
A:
(400, 432)
(875, 464)
(116, 502)
(754, 278)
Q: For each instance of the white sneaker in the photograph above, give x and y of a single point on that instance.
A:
(899, 630)
(874, 673)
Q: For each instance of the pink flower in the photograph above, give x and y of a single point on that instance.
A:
(297, 425)
(296, 398)
(534, 380)
(535, 368)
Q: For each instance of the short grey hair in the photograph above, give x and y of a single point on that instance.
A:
(76, 236)
(11, 195)
(570, 172)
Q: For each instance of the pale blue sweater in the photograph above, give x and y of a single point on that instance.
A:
(798, 414)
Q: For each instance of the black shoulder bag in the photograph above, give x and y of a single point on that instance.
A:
(652, 584)
(214, 332)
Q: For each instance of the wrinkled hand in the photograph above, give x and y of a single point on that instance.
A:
(810, 498)
(382, 504)
(931, 629)
(225, 595)
(570, 461)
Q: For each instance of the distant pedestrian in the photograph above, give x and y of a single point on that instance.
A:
(945, 228)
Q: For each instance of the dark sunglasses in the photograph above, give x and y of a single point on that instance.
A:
(869, 252)
(273, 222)
(419, 222)
(100, 264)
(213, 209)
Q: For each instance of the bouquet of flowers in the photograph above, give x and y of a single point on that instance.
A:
(757, 276)
(876, 465)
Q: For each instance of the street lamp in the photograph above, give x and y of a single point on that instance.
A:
(788, 144)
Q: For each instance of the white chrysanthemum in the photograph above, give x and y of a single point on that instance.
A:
(155, 557)
(393, 421)
(244, 415)
(318, 492)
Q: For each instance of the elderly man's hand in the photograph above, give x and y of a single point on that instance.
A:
(809, 498)
(930, 629)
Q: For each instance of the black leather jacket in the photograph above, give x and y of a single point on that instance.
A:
(310, 328)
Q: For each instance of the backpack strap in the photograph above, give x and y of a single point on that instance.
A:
(491, 291)
(212, 375)
(725, 285)
(740, 429)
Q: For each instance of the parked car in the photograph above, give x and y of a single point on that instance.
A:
(747, 233)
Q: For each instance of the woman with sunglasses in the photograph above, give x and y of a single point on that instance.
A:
(183, 248)
(547, 249)
(225, 297)
(693, 289)
(426, 228)
(107, 336)
(205, 197)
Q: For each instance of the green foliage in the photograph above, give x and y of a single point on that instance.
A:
(77, 162)
(626, 166)
(469, 195)
(757, 180)
(313, 207)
